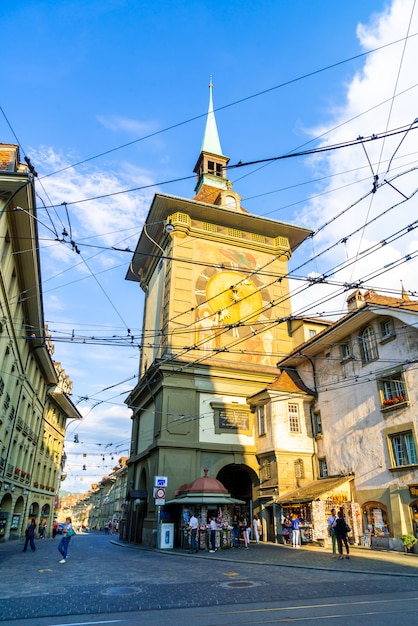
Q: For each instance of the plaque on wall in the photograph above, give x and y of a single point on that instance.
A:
(232, 418)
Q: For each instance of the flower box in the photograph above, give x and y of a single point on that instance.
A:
(393, 401)
(23, 474)
(17, 471)
(36, 484)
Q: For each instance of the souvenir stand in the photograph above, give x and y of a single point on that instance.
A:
(313, 502)
(206, 497)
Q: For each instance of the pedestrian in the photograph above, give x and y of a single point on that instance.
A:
(212, 526)
(67, 533)
(193, 526)
(30, 536)
(341, 529)
(295, 531)
(54, 529)
(331, 531)
(235, 532)
(247, 531)
(40, 530)
(256, 526)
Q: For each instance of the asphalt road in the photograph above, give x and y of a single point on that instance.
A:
(103, 583)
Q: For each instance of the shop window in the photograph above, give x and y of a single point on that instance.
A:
(368, 345)
(323, 469)
(375, 519)
(294, 421)
(392, 390)
(387, 331)
(414, 518)
(402, 448)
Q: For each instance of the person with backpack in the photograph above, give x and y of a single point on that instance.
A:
(341, 529)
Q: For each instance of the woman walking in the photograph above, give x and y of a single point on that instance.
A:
(67, 533)
(341, 530)
(30, 536)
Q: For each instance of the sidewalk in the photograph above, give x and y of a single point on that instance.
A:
(362, 559)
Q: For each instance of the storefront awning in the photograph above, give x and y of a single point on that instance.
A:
(209, 499)
(312, 491)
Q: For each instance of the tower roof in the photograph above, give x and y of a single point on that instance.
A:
(211, 141)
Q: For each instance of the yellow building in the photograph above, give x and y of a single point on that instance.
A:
(33, 388)
(214, 325)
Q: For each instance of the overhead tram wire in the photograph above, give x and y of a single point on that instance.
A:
(87, 340)
(376, 176)
(234, 103)
(289, 155)
(341, 266)
(329, 131)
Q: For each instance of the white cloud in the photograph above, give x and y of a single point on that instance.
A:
(134, 127)
(374, 103)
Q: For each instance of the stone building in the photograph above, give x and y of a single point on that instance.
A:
(363, 376)
(215, 315)
(34, 389)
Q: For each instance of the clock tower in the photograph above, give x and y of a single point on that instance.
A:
(215, 319)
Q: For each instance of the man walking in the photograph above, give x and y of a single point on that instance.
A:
(193, 525)
(331, 531)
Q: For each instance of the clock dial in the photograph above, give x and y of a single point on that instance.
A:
(234, 296)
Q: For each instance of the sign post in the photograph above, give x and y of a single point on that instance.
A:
(160, 484)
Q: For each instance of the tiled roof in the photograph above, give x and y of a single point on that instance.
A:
(371, 297)
(207, 194)
(289, 382)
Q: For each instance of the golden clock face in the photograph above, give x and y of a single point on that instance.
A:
(234, 296)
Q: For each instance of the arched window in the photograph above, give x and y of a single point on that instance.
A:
(376, 519)
(414, 517)
(299, 469)
(368, 345)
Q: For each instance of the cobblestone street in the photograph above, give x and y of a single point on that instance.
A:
(102, 575)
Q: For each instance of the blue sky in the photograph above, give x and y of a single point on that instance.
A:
(81, 79)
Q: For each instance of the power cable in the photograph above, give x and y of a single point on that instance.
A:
(232, 104)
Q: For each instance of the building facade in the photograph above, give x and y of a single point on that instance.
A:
(34, 389)
(364, 379)
(215, 317)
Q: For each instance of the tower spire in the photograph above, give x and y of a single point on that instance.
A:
(211, 165)
(211, 141)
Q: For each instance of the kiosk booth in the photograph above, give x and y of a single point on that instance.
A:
(205, 497)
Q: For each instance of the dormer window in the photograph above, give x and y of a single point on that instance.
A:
(230, 202)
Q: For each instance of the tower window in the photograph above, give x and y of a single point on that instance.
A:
(294, 422)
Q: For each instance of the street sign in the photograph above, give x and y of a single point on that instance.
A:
(160, 481)
(160, 502)
(159, 493)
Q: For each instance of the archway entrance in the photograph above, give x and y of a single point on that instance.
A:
(238, 480)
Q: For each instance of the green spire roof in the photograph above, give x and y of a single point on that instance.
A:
(211, 141)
